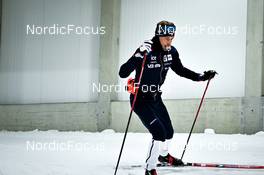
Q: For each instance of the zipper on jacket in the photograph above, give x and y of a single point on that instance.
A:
(161, 63)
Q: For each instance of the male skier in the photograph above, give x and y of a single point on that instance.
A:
(160, 56)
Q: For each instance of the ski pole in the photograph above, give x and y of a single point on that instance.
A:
(131, 111)
(196, 116)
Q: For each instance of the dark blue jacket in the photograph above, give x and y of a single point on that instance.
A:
(157, 64)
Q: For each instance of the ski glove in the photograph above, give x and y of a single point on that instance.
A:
(207, 75)
(146, 46)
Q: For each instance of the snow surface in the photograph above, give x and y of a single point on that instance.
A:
(84, 153)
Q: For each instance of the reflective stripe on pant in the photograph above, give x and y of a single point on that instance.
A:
(153, 154)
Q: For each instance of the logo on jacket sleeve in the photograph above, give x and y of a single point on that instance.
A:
(139, 55)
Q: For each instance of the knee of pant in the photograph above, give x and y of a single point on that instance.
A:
(170, 133)
(158, 131)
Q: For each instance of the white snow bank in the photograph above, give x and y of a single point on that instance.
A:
(209, 131)
(260, 133)
(108, 131)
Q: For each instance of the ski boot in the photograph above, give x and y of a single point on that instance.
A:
(170, 160)
(151, 172)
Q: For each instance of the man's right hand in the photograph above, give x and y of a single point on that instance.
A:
(146, 46)
(208, 75)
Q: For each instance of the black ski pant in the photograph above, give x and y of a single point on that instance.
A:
(154, 115)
